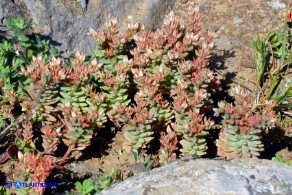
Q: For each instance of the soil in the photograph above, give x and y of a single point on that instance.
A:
(239, 22)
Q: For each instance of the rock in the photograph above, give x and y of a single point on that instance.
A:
(84, 169)
(65, 23)
(237, 21)
(9, 9)
(223, 43)
(206, 176)
(276, 4)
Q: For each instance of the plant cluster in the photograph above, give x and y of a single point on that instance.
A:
(273, 59)
(244, 124)
(95, 185)
(155, 86)
(142, 162)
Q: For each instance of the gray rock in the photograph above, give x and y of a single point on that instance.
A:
(223, 43)
(210, 177)
(65, 22)
(9, 9)
(237, 21)
(276, 4)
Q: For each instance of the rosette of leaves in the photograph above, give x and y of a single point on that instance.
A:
(243, 126)
(43, 92)
(194, 132)
(78, 131)
(97, 103)
(139, 130)
(191, 98)
(50, 139)
(46, 100)
(115, 44)
(149, 87)
(149, 102)
(116, 88)
(150, 115)
(190, 123)
(78, 89)
(168, 146)
(77, 96)
(113, 50)
(178, 40)
(33, 168)
(234, 143)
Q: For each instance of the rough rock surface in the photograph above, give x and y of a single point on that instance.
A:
(9, 9)
(66, 24)
(205, 176)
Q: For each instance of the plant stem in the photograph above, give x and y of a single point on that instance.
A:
(63, 159)
(6, 130)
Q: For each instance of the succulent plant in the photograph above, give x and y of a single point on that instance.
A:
(168, 146)
(79, 128)
(190, 102)
(46, 98)
(139, 130)
(113, 51)
(50, 139)
(77, 96)
(193, 131)
(115, 78)
(42, 95)
(33, 167)
(233, 143)
(243, 126)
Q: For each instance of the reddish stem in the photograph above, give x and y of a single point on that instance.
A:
(63, 159)
(4, 157)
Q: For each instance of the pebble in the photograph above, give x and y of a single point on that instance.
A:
(223, 43)
(237, 21)
(276, 4)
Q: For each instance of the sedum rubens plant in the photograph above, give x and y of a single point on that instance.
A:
(32, 168)
(168, 146)
(37, 104)
(79, 130)
(138, 130)
(78, 99)
(44, 79)
(157, 67)
(190, 100)
(244, 125)
(113, 47)
(116, 84)
(78, 91)
(83, 109)
(50, 138)
(151, 112)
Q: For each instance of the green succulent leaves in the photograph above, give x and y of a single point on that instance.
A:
(234, 143)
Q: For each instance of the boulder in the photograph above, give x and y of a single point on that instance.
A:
(66, 24)
(210, 177)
